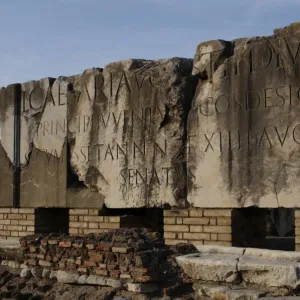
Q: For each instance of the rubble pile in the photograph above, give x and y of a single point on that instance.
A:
(136, 260)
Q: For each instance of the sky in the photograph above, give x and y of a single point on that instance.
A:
(41, 38)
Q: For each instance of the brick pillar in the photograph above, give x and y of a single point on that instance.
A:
(297, 230)
(85, 221)
(16, 222)
(198, 226)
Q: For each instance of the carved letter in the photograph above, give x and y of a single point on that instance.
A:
(279, 138)
(209, 142)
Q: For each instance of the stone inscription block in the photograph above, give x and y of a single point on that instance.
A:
(7, 111)
(43, 148)
(244, 125)
(126, 131)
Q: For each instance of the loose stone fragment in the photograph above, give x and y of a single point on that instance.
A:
(141, 287)
(25, 273)
(67, 277)
(220, 268)
(82, 279)
(96, 280)
(37, 272)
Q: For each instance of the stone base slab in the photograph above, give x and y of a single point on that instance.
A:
(265, 268)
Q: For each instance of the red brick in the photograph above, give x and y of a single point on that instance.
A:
(71, 267)
(44, 263)
(65, 244)
(142, 279)
(77, 245)
(102, 272)
(112, 267)
(102, 247)
(90, 246)
(53, 242)
(82, 270)
(114, 274)
(125, 276)
(123, 269)
(95, 256)
(140, 270)
(102, 266)
(89, 263)
(123, 250)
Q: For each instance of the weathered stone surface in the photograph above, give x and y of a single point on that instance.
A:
(115, 283)
(8, 97)
(97, 280)
(281, 298)
(82, 279)
(53, 274)
(127, 131)
(272, 254)
(228, 293)
(277, 273)
(46, 273)
(244, 126)
(43, 149)
(212, 249)
(208, 267)
(67, 277)
(25, 273)
(265, 268)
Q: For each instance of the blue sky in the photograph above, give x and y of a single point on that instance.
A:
(41, 38)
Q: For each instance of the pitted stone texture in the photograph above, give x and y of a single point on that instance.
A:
(130, 148)
(96, 280)
(209, 55)
(207, 267)
(42, 147)
(221, 250)
(25, 273)
(244, 125)
(227, 293)
(265, 268)
(67, 277)
(281, 298)
(272, 254)
(53, 274)
(36, 95)
(82, 279)
(8, 96)
(271, 273)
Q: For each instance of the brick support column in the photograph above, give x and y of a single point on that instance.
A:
(16, 222)
(198, 226)
(85, 221)
(297, 230)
